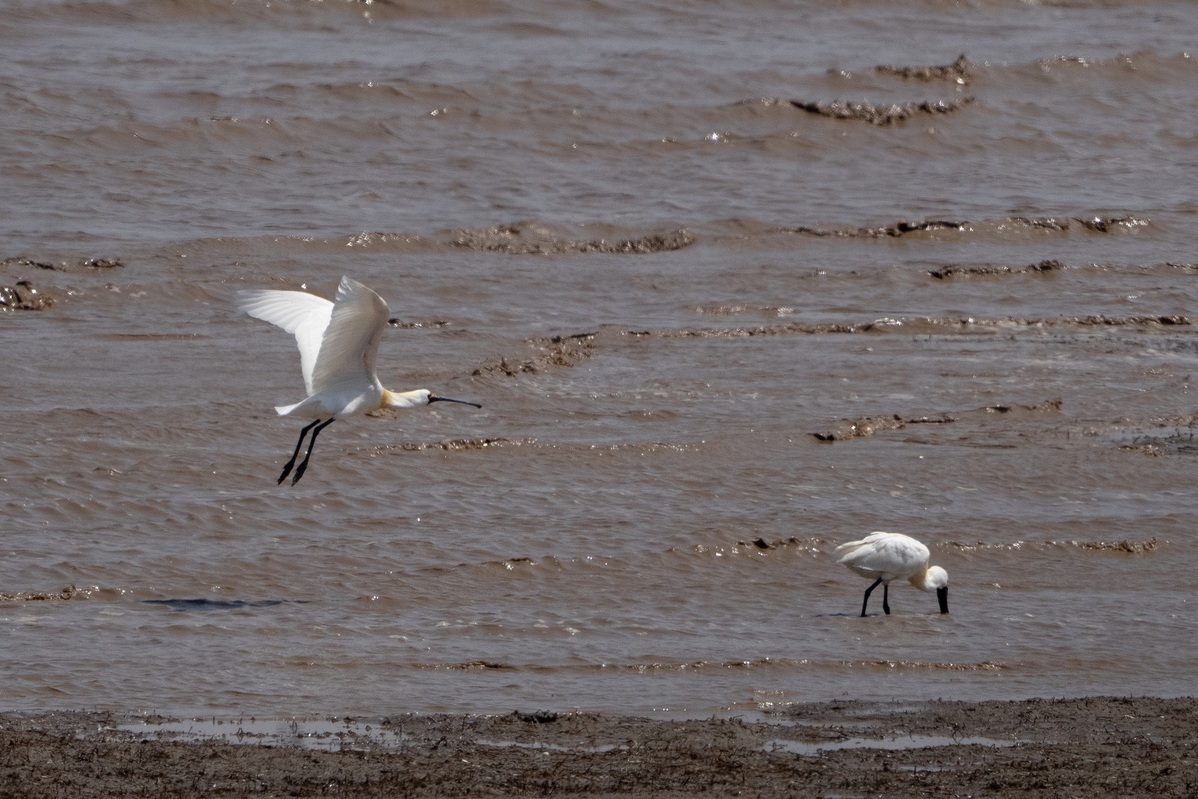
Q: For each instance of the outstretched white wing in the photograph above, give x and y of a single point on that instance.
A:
(304, 315)
(351, 340)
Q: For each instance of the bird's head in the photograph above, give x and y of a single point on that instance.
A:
(414, 399)
(937, 579)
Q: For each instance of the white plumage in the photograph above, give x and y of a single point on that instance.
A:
(883, 557)
(338, 344)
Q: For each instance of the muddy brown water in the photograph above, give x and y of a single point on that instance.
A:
(713, 334)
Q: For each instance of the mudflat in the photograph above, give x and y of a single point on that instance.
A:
(1098, 746)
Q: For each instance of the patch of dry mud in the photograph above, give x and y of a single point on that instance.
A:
(1037, 748)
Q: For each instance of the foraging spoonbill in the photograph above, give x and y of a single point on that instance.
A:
(883, 557)
(338, 343)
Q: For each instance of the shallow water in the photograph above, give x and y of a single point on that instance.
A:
(672, 289)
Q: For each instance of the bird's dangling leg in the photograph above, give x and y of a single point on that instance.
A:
(867, 590)
(294, 455)
(311, 443)
(886, 598)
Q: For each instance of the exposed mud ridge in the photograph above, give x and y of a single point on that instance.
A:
(949, 271)
(894, 230)
(882, 115)
(39, 596)
(789, 328)
(1132, 547)
(63, 266)
(1149, 450)
(894, 665)
(368, 239)
(1176, 434)
(532, 240)
(1110, 224)
(474, 665)
(953, 270)
(1126, 546)
(412, 324)
(1108, 321)
(550, 352)
(960, 71)
(102, 263)
(923, 325)
(1042, 223)
(869, 425)
(1049, 405)
(29, 263)
(452, 445)
(556, 351)
(902, 228)
(760, 543)
(694, 665)
(23, 297)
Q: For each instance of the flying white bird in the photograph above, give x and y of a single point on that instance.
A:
(338, 343)
(883, 557)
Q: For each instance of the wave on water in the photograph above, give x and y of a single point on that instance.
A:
(205, 604)
(448, 445)
(215, 11)
(657, 666)
(534, 240)
(921, 325)
(543, 239)
(880, 114)
(1129, 547)
(70, 592)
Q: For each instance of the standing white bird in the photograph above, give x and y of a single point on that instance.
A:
(338, 343)
(883, 557)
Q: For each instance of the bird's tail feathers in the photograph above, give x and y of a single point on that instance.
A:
(283, 410)
(846, 551)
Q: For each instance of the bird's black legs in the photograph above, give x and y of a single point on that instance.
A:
(867, 590)
(886, 598)
(311, 443)
(291, 463)
(294, 455)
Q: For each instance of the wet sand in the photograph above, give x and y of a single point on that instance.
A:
(1078, 747)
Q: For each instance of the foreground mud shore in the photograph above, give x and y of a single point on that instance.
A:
(1078, 747)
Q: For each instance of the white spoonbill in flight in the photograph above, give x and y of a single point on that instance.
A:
(883, 557)
(338, 343)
